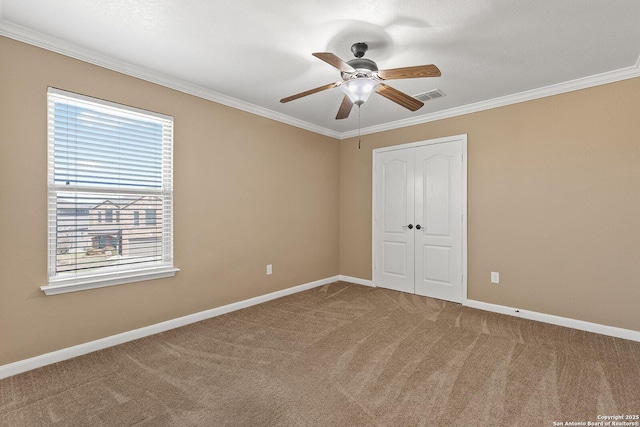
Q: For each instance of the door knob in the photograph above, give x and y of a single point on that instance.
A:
(410, 226)
(418, 226)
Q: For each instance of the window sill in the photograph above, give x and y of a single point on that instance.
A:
(62, 286)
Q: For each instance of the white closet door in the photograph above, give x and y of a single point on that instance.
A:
(418, 224)
(394, 211)
(438, 216)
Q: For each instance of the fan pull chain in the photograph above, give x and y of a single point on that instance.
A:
(359, 127)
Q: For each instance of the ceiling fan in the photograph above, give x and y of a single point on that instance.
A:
(361, 77)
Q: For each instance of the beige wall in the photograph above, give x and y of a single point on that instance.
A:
(248, 191)
(553, 202)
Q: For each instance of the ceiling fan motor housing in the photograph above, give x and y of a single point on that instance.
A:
(363, 68)
(364, 64)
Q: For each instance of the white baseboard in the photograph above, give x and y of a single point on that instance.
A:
(627, 334)
(78, 350)
(356, 280)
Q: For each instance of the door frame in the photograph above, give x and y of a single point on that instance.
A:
(455, 138)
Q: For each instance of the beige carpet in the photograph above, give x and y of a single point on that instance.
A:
(338, 355)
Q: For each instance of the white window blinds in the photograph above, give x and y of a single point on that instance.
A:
(108, 164)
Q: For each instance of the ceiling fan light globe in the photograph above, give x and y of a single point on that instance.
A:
(358, 90)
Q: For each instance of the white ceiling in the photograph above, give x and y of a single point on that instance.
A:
(251, 53)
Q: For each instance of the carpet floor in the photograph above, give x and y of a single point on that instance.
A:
(339, 355)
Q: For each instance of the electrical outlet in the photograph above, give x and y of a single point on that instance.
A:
(269, 269)
(495, 277)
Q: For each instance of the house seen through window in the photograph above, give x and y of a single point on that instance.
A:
(107, 163)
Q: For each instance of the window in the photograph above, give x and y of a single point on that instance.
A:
(150, 217)
(104, 157)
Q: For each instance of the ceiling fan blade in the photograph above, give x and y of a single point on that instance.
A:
(345, 108)
(401, 98)
(309, 92)
(410, 72)
(331, 59)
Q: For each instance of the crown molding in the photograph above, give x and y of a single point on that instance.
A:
(52, 44)
(35, 38)
(543, 92)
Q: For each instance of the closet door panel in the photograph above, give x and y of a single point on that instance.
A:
(438, 210)
(393, 212)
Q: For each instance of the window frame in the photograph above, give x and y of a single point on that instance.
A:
(122, 273)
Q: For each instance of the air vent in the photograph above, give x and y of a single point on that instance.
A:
(432, 94)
